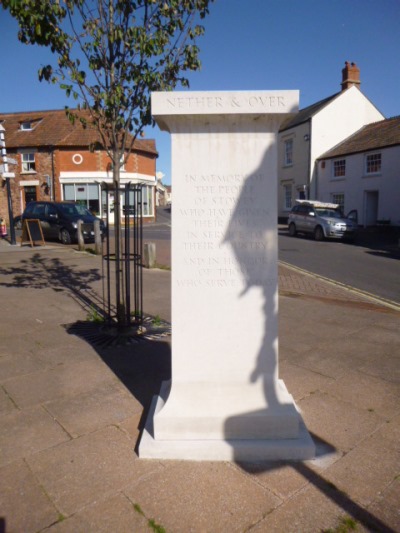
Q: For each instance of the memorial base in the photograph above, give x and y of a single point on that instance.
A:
(183, 444)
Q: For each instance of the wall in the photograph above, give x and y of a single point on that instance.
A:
(345, 115)
(73, 160)
(355, 184)
(43, 168)
(296, 174)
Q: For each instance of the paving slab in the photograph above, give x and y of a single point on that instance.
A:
(71, 414)
(366, 392)
(386, 507)
(302, 382)
(319, 507)
(26, 432)
(87, 468)
(6, 404)
(206, 497)
(280, 478)
(339, 423)
(110, 403)
(116, 513)
(47, 385)
(368, 470)
(14, 364)
(23, 502)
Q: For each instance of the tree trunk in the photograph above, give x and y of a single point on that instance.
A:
(119, 263)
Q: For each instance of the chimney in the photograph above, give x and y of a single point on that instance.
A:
(350, 76)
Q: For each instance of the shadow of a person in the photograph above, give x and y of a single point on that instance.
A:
(251, 234)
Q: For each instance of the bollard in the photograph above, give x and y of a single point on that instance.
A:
(149, 255)
(81, 242)
(97, 238)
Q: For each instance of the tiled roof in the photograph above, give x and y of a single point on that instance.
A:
(53, 128)
(305, 114)
(370, 137)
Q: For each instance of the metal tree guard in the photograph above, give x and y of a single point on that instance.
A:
(126, 267)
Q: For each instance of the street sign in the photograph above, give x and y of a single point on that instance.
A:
(6, 174)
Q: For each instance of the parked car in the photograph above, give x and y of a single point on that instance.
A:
(59, 220)
(323, 220)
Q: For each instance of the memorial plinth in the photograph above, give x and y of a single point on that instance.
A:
(225, 401)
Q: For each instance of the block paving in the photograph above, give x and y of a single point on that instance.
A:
(71, 413)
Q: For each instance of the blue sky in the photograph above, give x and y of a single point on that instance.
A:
(252, 45)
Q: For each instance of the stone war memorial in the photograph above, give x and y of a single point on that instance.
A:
(225, 400)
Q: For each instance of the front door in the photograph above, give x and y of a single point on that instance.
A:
(110, 206)
(30, 195)
(371, 208)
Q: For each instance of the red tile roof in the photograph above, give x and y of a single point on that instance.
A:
(53, 128)
(373, 136)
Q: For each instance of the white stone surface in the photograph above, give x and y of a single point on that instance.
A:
(225, 383)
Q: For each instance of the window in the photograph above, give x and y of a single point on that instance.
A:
(339, 168)
(287, 201)
(26, 126)
(338, 198)
(86, 194)
(28, 162)
(288, 160)
(373, 163)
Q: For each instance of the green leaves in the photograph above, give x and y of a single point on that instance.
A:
(111, 54)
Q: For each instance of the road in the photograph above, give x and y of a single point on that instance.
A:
(366, 266)
(370, 267)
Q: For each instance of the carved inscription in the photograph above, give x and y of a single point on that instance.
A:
(265, 102)
(225, 231)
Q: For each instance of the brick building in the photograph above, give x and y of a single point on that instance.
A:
(57, 160)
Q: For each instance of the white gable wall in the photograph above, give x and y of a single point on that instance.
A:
(342, 117)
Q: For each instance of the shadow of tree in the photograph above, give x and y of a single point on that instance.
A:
(140, 365)
(40, 272)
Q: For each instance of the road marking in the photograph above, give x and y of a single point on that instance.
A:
(383, 301)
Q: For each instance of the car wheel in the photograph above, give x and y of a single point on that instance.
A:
(65, 236)
(292, 229)
(319, 234)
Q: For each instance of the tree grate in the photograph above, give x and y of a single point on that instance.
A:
(104, 335)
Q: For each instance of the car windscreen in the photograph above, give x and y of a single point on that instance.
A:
(73, 210)
(327, 212)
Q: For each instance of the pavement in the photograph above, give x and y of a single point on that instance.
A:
(71, 411)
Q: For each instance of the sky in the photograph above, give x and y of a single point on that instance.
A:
(250, 45)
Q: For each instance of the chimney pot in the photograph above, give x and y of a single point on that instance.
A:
(350, 76)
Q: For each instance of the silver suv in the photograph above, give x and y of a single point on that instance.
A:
(323, 220)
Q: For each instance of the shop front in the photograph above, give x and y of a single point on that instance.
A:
(100, 199)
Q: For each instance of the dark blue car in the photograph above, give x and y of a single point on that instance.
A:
(59, 220)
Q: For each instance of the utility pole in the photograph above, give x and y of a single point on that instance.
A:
(7, 176)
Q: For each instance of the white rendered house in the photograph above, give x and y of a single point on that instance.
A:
(315, 130)
(362, 173)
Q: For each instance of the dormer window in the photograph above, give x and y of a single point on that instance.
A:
(26, 126)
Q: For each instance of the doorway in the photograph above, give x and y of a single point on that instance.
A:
(30, 195)
(109, 206)
(371, 203)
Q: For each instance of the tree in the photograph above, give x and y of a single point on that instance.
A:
(110, 56)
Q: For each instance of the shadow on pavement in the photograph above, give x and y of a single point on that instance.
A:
(328, 489)
(141, 365)
(39, 272)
